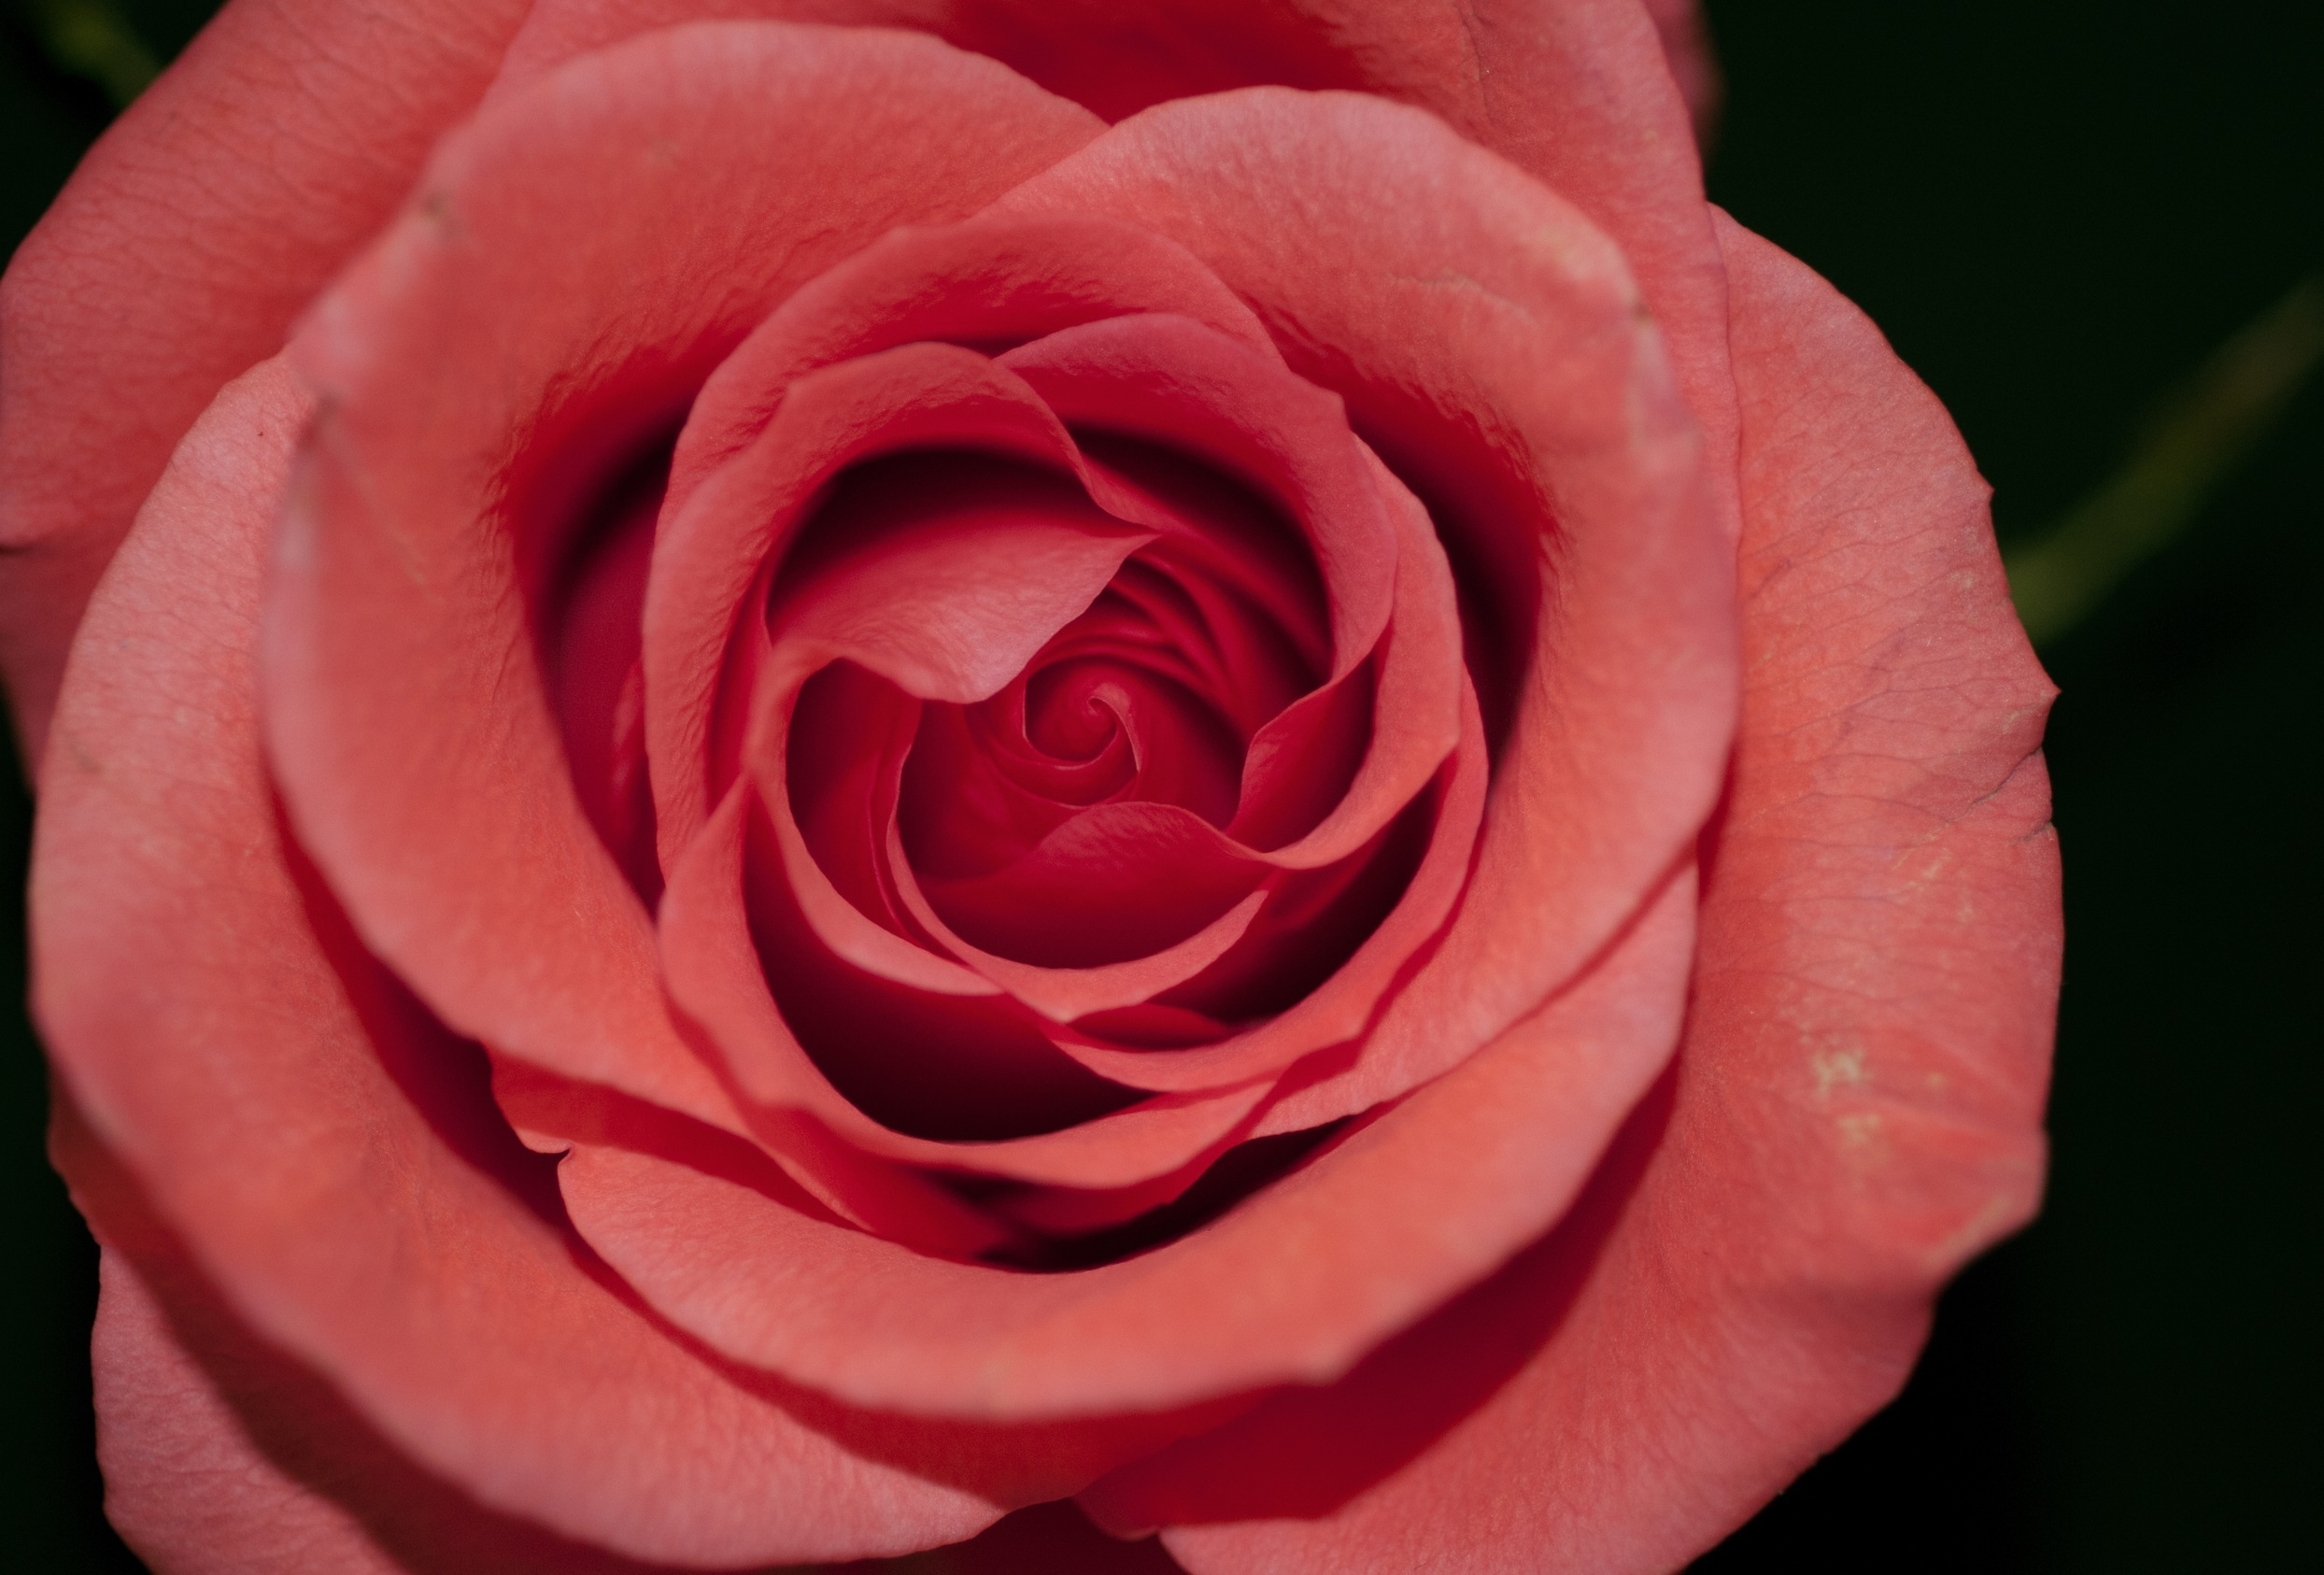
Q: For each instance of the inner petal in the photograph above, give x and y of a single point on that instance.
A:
(943, 571)
(1114, 882)
(591, 644)
(1184, 752)
(849, 731)
(1085, 760)
(1203, 638)
(1072, 713)
(929, 1065)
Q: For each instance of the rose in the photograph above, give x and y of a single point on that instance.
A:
(1392, 1232)
(334, 1283)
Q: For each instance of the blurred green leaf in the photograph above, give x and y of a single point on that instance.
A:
(91, 38)
(2203, 431)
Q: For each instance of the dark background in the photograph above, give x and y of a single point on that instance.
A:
(2055, 209)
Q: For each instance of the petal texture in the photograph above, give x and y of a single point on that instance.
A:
(1855, 1109)
(500, 356)
(1475, 325)
(224, 1457)
(1294, 1286)
(331, 1156)
(880, 644)
(1580, 94)
(199, 226)
(1693, 65)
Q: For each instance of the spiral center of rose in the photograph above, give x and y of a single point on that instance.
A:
(1054, 714)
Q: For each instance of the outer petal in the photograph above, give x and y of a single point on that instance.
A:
(330, 1156)
(1686, 44)
(224, 1457)
(177, 257)
(185, 1485)
(1294, 1286)
(1577, 93)
(481, 367)
(1489, 348)
(1856, 1107)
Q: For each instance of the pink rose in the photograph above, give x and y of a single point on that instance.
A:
(1188, 756)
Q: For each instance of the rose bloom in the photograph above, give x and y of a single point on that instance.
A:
(810, 771)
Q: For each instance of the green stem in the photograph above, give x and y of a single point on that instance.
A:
(91, 38)
(2198, 437)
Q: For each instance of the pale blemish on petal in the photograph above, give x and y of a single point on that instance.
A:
(1837, 1069)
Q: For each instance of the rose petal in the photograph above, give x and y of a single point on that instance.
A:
(1429, 1387)
(177, 255)
(1149, 695)
(1686, 44)
(732, 521)
(1158, 377)
(740, 520)
(1243, 639)
(1337, 1010)
(1173, 381)
(1294, 1285)
(331, 1157)
(788, 1152)
(410, 734)
(979, 1064)
(1490, 347)
(987, 282)
(1063, 994)
(946, 586)
(892, 600)
(1579, 94)
(1116, 882)
(738, 517)
(1856, 1109)
(1166, 379)
(592, 639)
(223, 1457)
(878, 937)
(1060, 904)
